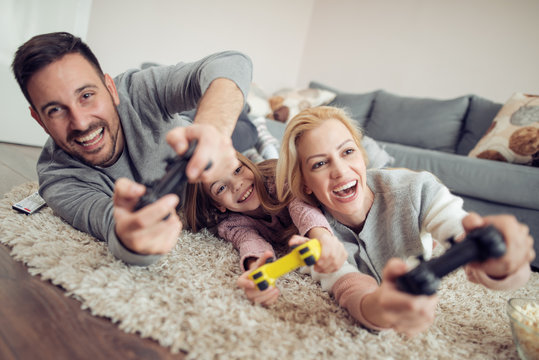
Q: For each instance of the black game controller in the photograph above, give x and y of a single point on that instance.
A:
(479, 245)
(173, 182)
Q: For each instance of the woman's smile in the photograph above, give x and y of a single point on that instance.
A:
(346, 191)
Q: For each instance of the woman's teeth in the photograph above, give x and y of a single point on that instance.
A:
(91, 138)
(346, 190)
(246, 195)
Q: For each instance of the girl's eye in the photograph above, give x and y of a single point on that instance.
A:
(220, 189)
(238, 170)
(349, 151)
(318, 164)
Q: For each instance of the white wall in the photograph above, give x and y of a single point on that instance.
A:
(19, 21)
(125, 33)
(425, 48)
(433, 48)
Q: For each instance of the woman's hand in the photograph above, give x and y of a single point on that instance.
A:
(266, 297)
(387, 307)
(333, 253)
(518, 241)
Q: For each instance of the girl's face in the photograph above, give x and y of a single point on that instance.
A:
(236, 191)
(334, 171)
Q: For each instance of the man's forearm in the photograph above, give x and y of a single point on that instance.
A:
(220, 106)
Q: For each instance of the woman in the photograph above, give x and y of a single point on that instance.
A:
(383, 217)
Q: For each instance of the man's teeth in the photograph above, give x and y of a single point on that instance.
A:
(91, 138)
(246, 195)
(346, 186)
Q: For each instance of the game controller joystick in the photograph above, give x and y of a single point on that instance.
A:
(173, 182)
(479, 245)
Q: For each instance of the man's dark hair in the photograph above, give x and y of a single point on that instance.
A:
(42, 50)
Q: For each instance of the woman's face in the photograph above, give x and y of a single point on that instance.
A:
(334, 171)
(236, 191)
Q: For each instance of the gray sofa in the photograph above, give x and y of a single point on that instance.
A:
(436, 135)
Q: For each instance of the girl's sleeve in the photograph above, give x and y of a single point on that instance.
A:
(306, 216)
(242, 232)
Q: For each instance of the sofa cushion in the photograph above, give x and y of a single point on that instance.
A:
(514, 134)
(480, 114)
(492, 181)
(421, 122)
(358, 105)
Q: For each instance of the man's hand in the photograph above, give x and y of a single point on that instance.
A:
(517, 239)
(215, 120)
(213, 146)
(145, 231)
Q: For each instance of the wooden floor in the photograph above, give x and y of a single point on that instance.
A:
(37, 320)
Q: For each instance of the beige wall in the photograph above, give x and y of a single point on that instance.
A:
(434, 48)
(439, 48)
(124, 33)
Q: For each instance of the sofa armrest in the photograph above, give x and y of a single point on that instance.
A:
(511, 184)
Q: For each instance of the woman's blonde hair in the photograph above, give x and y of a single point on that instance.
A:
(199, 209)
(289, 179)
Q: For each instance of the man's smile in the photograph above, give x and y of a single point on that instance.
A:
(92, 138)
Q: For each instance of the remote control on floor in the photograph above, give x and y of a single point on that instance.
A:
(30, 204)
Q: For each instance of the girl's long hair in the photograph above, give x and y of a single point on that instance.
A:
(199, 209)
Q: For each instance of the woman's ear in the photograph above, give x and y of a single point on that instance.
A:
(307, 190)
(221, 208)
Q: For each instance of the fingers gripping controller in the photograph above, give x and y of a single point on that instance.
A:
(173, 182)
(479, 245)
(304, 254)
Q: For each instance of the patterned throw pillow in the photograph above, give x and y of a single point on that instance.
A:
(513, 135)
(286, 104)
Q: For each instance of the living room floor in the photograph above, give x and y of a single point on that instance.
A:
(37, 320)
(17, 165)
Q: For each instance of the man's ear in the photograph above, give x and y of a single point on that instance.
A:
(37, 118)
(111, 86)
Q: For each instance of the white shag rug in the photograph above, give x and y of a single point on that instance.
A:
(189, 302)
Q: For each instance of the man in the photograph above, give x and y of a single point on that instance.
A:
(107, 137)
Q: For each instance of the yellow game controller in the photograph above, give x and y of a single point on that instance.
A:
(305, 254)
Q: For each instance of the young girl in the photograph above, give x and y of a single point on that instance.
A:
(383, 216)
(244, 209)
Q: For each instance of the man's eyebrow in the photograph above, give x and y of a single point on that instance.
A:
(77, 91)
(338, 147)
(84, 87)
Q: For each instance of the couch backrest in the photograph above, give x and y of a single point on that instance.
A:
(478, 119)
(453, 125)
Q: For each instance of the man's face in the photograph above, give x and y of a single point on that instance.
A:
(78, 110)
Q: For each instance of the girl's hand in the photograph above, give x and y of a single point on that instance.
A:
(333, 253)
(518, 240)
(387, 307)
(266, 297)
